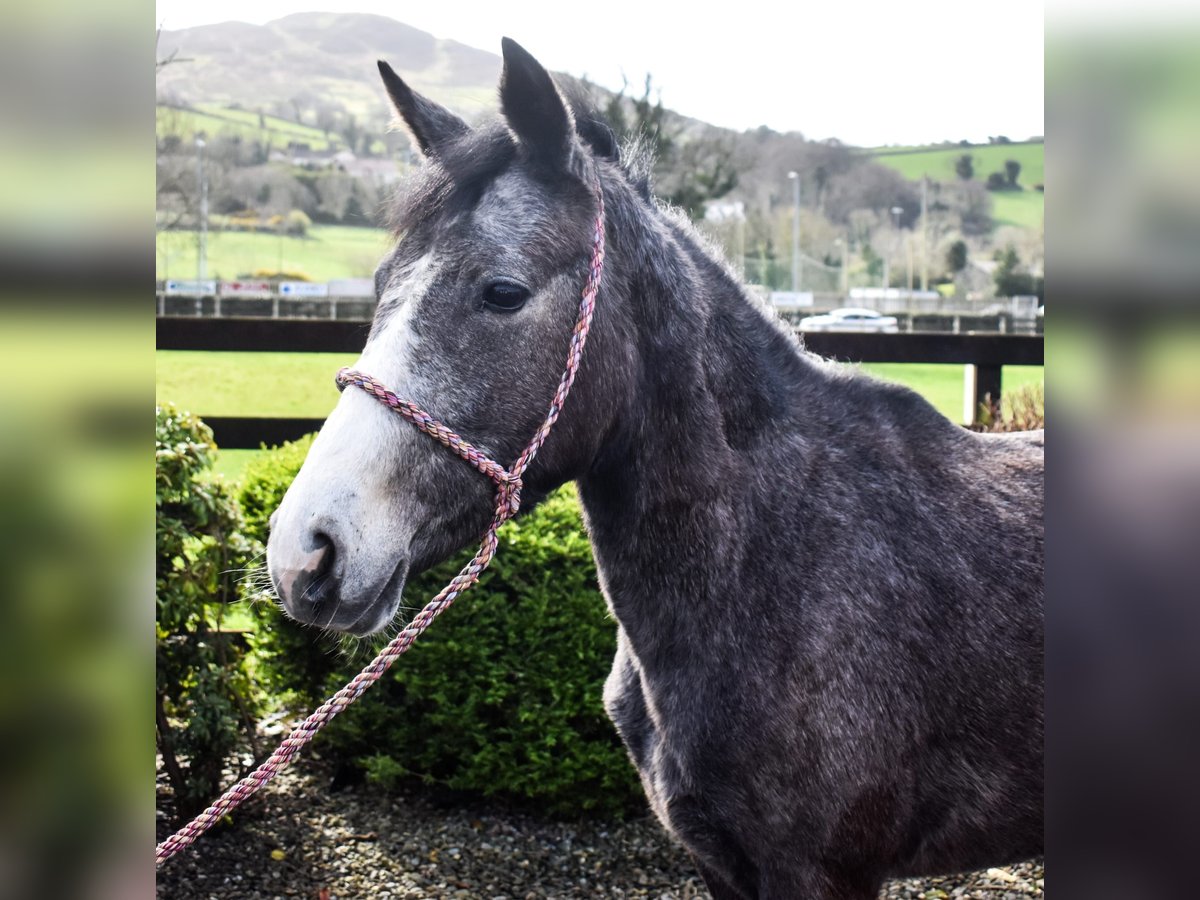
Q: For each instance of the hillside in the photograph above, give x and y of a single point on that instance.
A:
(320, 57)
(1023, 209)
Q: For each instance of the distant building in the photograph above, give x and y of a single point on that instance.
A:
(377, 171)
(724, 211)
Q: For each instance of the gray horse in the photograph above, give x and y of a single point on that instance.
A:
(828, 597)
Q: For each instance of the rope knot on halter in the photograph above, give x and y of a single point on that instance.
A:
(508, 495)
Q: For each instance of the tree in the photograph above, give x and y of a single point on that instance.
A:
(871, 186)
(705, 172)
(1010, 281)
(964, 167)
(354, 214)
(974, 207)
(689, 172)
(297, 223)
(1012, 169)
(328, 116)
(648, 121)
(956, 257)
(351, 131)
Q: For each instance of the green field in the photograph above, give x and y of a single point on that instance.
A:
(301, 385)
(249, 384)
(212, 119)
(1023, 209)
(326, 252)
(938, 162)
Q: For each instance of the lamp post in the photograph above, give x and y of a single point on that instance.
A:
(845, 245)
(202, 232)
(797, 265)
(897, 212)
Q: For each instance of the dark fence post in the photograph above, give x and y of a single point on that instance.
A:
(983, 386)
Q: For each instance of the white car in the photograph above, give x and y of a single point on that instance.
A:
(850, 319)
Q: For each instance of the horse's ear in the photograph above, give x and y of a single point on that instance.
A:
(430, 124)
(533, 106)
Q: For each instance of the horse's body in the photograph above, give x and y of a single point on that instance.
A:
(829, 597)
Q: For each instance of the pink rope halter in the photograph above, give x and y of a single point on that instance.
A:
(508, 502)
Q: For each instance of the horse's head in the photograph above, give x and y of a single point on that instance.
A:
(476, 307)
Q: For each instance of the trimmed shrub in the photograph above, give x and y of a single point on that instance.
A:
(295, 660)
(203, 693)
(502, 696)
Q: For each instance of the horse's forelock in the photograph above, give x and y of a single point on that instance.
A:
(457, 176)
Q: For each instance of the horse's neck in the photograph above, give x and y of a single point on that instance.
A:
(714, 393)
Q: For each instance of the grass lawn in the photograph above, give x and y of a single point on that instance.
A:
(301, 384)
(249, 384)
(326, 252)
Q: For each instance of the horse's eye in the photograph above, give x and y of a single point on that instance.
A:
(504, 296)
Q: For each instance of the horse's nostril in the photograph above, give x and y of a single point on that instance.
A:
(307, 580)
(320, 560)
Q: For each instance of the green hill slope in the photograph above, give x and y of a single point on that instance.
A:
(214, 119)
(1024, 209)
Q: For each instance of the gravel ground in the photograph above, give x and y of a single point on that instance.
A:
(300, 840)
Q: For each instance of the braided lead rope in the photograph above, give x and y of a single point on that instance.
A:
(508, 501)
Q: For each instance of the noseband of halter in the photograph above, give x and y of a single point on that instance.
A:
(508, 501)
(508, 481)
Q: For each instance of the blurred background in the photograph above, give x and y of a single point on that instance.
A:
(899, 154)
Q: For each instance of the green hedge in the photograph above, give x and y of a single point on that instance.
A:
(296, 661)
(502, 696)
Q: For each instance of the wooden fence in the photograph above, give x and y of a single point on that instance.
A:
(983, 355)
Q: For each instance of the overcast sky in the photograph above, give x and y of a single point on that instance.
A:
(865, 72)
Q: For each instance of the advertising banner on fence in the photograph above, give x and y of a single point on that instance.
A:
(190, 288)
(791, 299)
(248, 290)
(298, 289)
(355, 288)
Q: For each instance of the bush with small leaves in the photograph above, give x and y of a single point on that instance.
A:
(204, 693)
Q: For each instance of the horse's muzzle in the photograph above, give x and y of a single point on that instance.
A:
(305, 582)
